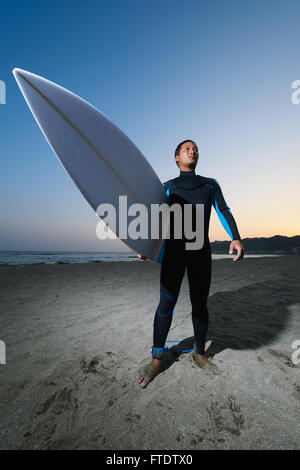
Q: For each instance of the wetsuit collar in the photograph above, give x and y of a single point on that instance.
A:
(187, 173)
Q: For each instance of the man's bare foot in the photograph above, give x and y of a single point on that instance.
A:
(207, 366)
(148, 372)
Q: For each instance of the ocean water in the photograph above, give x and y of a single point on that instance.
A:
(77, 257)
(60, 257)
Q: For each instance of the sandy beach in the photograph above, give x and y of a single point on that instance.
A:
(76, 334)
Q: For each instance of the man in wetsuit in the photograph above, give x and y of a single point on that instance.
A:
(188, 188)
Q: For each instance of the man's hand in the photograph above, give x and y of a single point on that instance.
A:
(238, 246)
(143, 257)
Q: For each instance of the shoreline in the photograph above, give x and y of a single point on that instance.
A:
(215, 257)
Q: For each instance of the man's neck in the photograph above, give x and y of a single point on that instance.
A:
(187, 172)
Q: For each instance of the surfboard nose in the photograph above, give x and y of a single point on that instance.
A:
(16, 71)
(22, 74)
(19, 74)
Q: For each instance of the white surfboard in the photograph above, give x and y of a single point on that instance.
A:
(102, 161)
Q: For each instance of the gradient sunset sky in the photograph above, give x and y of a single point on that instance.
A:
(218, 72)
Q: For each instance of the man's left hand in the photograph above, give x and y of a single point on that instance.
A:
(238, 246)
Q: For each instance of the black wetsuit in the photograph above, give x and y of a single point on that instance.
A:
(194, 189)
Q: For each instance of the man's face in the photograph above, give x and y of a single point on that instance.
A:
(188, 156)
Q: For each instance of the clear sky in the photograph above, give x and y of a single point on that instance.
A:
(218, 72)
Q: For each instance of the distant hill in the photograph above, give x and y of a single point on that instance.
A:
(273, 245)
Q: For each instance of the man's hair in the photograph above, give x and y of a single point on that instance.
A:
(179, 147)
